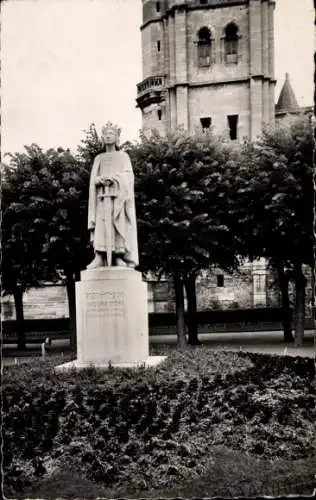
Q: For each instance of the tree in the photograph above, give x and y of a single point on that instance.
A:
(283, 281)
(278, 186)
(52, 189)
(90, 146)
(23, 231)
(185, 212)
(67, 248)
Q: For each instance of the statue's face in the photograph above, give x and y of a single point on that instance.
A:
(109, 136)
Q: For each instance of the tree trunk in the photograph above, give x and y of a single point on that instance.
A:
(190, 287)
(71, 294)
(285, 300)
(19, 313)
(179, 293)
(300, 284)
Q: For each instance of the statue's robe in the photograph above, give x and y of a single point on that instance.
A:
(121, 209)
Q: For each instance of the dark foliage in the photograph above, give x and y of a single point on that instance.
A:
(151, 429)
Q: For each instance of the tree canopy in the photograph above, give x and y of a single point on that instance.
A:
(200, 202)
(186, 211)
(44, 197)
(277, 196)
(183, 199)
(278, 207)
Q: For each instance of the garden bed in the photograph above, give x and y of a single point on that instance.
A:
(204, 423)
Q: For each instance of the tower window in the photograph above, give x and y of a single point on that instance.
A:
(205, 122)
(158, 45)
(158, 6)
(231, 43)
(220, 280)
(204, 47)
(232, 123)
(159, 113)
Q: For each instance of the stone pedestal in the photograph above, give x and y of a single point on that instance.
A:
(112, 320)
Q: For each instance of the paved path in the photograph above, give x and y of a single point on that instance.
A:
(264, 342)
(270, 342)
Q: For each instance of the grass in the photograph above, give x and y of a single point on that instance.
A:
(205, 423)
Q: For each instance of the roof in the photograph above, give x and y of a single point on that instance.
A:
(287, 100)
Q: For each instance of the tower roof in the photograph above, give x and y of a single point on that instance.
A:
(287, 100)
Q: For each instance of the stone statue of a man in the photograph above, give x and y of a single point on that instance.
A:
(111, 210)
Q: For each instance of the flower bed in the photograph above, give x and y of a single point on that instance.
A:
(156, 430)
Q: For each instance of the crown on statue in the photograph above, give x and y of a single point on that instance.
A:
(113, 128)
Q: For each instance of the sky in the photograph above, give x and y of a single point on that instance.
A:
(68, 63)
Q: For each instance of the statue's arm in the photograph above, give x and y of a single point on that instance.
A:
(99, 180)
(92, 193)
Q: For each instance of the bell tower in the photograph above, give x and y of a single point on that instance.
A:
(208, 63)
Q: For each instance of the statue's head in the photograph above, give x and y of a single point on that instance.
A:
(110, 134)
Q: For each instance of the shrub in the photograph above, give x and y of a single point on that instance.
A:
(144, 427)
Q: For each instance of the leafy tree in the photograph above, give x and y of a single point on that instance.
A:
(23, 230)
(89, 147)
(185, 212)
(67, 249)
(51, 188)
(277, 201)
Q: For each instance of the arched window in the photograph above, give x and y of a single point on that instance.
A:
(231, 43)
(204, 47)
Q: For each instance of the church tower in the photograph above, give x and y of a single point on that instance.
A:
(208, 63)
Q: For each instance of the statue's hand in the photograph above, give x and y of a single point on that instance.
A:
(98, 181)
(107, 181)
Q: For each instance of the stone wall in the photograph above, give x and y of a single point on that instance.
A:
(224, 88)
(44, 302)
(217, 102)
(237, 293)
(216, 20)
(151, 120)
(51, 301)
(273, 293)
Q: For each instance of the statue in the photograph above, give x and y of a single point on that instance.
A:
(111, 210)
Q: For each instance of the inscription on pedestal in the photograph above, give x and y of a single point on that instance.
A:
(110, 304)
